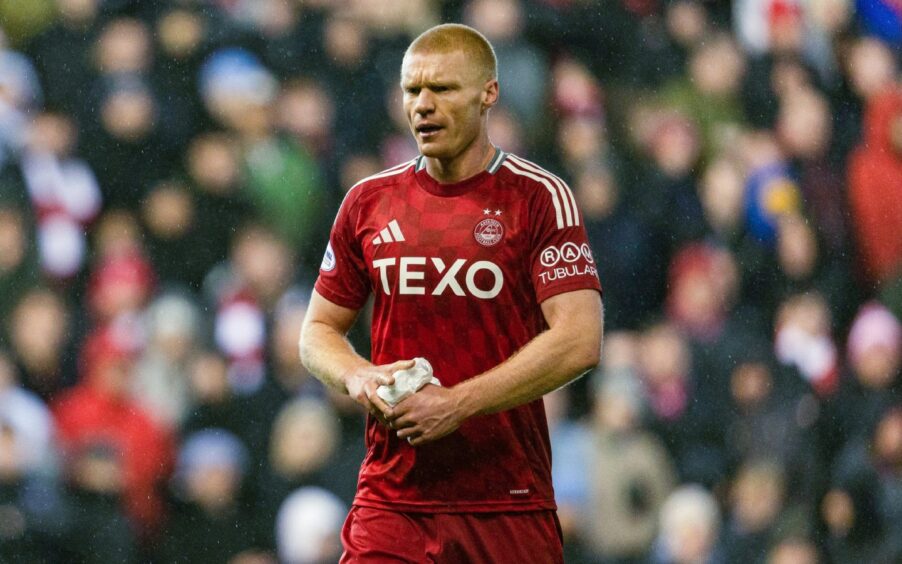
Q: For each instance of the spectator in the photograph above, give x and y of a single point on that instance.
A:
(248, 287)
(125, 147)
(214, 175)
(867, 68)
(28, 420)
(99, 529)
(617, 234)
(286, 184)
(775, 416)
(870, 385)
(871, 67)
(870, 470)
(160, 383)
(576, 93)
(501, 21)
(855, 525)
(61, 54)
(30, 502)
(306, 112)
(632, 477)
(99, 409)
(308, 527)
(571, 445)
(875, 170)
(120, 286)
(20, 93)
(805, 129)
(757, 500)
(672, 144)
(675, 392)
(169, 215)
(689, 528)
(214, 403)
(804, 340)
(804, 262)
(183, 34)
(721, 193)
(286, 377)
(794, 550)
(19, 269)
(702, 297)
(348, 67)
(207, 524)
(710, 94)
(886, 445)
(40, 330)
(64, 194)
(304, 450)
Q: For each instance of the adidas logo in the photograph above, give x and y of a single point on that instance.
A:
(390, 234)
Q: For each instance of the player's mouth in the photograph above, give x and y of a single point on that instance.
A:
(428, 130)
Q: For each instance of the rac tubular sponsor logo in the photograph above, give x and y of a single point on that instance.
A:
(410, 273)
(565, 261)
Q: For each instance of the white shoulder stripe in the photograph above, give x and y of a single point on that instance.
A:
(554, 194)
(563, 194)
(385, 173)
(566, 193)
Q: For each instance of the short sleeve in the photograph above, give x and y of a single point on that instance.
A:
(343, 278)
(561, 259)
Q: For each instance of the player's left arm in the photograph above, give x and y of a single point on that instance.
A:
(569, 347)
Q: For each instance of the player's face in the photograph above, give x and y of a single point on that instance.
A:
(446, 100)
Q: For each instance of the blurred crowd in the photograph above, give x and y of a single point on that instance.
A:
(169, 172)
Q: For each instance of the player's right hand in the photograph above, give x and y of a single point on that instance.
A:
(363, 382)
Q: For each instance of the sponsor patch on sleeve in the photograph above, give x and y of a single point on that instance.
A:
(566, 261)
(328, 259)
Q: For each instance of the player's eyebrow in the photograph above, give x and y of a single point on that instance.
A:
(430, 84)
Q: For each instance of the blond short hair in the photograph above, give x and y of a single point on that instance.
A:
(447, 38)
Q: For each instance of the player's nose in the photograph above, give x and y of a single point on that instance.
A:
(425, 102)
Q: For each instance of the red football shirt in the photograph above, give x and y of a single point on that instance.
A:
(458, 272)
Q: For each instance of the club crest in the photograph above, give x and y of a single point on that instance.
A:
(488, 232)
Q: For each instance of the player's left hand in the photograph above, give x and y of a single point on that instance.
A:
(430, 414)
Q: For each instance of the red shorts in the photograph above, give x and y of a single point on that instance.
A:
(377, 535)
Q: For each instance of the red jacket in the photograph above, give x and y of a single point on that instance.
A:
(875, 189)
(85, 415)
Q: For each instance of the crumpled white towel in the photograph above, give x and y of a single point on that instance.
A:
(408, 382)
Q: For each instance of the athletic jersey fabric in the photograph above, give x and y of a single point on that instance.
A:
(458, 273)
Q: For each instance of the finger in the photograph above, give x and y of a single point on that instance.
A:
(402, 423)
(389, 370)
(417, 441)
(378, 415)
(408, 432)
(403, 418)
(386, 376)
(379, 404)
(402, 364)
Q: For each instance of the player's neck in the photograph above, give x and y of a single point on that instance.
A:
(468, 164)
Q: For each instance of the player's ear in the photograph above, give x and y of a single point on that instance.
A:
(490, 94)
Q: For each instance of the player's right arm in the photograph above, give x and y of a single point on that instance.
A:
(341, 291)
(330, 357)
